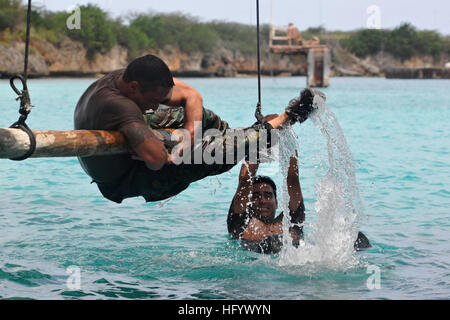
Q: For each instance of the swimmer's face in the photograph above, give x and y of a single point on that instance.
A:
(264, 201)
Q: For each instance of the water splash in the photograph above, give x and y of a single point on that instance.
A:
(330, 243)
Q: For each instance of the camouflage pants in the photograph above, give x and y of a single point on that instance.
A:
(173, 179)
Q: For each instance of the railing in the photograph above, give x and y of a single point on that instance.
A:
(274, 37)
(281, 42)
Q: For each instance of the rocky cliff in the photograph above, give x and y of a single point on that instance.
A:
(69, 59)
(345, 63)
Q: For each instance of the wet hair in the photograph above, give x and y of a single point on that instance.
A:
(150, 72)
(266, 179)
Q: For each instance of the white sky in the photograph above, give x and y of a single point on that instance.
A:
(332, 14)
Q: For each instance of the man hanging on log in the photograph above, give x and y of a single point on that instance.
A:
(129, 101)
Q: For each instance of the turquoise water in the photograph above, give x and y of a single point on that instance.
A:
(398, 132)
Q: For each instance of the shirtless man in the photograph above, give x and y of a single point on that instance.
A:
(251, 217)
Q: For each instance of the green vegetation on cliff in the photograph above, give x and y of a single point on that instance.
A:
(11, 13)
(402, 42)
(99, 33)
(96, 29)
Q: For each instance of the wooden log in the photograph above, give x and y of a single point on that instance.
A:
(74, 143)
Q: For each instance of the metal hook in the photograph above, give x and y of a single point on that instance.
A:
(258, 114)
(24, 84)
(25, 103)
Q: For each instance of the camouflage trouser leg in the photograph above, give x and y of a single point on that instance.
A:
(173, 118)
(172, 179)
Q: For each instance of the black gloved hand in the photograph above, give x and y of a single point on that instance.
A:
(299, 108)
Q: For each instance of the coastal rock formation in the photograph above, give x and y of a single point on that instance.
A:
(418, 73)
(13, 59)
(226, 63)
(347, 64)
(383, 64)
(69, 58)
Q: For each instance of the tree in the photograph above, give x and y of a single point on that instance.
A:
(365, 42)
(401, 41)
(12, 13)
(176, 29)
(429, 42)
(96, 30)
(131, 38)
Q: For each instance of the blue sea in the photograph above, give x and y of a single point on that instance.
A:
(60, 239)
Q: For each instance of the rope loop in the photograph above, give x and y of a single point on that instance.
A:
(23, 126)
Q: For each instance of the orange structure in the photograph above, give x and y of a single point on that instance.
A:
(288, 40)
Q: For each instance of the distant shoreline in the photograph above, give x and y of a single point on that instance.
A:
(400, 73)
(178, 74)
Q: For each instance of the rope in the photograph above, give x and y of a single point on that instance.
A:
(258, 114)
(27, 41)
(23, 95)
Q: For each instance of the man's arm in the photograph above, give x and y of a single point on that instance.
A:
(145, 144)
(296, 205)
(238, 214)
(241, 198)
(186, 96)
(278, 121)
(293, 184)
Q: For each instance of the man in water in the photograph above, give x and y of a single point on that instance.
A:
(251, 217)
(123, 100)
